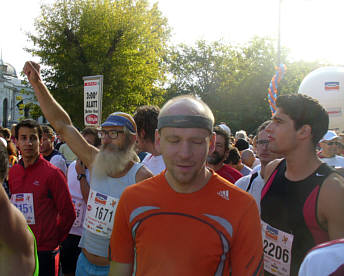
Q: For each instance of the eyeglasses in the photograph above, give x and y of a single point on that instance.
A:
(113, 134)
(262, 142)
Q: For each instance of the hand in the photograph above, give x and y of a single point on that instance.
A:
(79, 167)
(32, 71)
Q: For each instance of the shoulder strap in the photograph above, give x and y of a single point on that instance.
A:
(253, 176)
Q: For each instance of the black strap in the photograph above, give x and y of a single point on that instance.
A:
(253, 176)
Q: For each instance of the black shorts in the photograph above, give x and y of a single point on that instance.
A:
(70, 251)
(49, 263)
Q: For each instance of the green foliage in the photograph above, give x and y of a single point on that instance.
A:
(232, 80)
(123, 40)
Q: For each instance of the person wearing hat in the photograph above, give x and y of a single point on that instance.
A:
(328, 150)
(113, 167)
(187, 220)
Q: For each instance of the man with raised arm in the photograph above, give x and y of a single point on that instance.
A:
(302, 202)
(113, 167)
(187, 220)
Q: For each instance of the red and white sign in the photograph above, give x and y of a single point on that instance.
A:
(93, 93)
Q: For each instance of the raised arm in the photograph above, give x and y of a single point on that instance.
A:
(16, 241)
(58, 117)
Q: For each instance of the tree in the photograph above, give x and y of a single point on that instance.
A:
(123, 40)
(233, 80)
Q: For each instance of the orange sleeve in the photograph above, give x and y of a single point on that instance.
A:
(247, 249)
(121, 242)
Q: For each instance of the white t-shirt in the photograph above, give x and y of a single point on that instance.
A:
(58, 161)
(155, 163)
(79, 204)
(324, 259)
(256, 186)
(336, 161)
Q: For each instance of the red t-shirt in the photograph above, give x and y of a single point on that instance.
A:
(229, 173)
(215, 229)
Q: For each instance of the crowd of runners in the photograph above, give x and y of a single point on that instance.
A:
(171, 191)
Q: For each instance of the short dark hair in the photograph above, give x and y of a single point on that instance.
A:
(242, 144)
(146, 118)
(48, 131)
(30, 124)
(233, 156)
(304, 110)
(219, 131)
(92, 131)
(6, 133)
(3, 162)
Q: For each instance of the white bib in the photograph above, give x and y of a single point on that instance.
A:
(24, 202)
(277, 250)
(100, 213)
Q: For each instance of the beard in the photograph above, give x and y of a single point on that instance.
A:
(215, 158)
(112, 159)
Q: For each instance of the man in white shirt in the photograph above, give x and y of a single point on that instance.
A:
(328, 150)
(146, 119)
(254, 183)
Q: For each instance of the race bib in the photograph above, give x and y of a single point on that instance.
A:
(277, 250)
(24, 202)
(100, 213)
(79, 210)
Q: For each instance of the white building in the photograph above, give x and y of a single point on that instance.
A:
(15, 96)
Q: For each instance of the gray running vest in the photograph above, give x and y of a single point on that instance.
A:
(113, 187)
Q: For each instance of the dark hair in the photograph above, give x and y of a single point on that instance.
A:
(242, 144)
(219, 131)
(304, 110)
(233, 156)
(6, 133)
(94, 132)
(146, 118)
(263, 126)
(48, 131)
(3, 162)
(30, 124)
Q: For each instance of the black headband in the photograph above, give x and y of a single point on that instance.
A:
(185, 121)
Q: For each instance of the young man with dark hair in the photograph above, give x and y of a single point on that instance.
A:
(146, 119)
(216, 159)
(49, 152)
(302, 202)
(40, 191)
(234, 160)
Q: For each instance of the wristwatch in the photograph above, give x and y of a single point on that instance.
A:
(81, 176)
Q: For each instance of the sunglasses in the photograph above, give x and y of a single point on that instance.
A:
(332, 143)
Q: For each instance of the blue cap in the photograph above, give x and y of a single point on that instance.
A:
(121, 119)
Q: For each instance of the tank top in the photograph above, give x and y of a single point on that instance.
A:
(98, 244)
(291, 206)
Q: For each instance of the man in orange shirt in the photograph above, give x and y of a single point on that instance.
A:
(187, 220)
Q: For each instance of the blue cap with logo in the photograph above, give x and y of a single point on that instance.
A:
(121, 119)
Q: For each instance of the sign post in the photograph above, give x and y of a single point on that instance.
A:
(93, 95)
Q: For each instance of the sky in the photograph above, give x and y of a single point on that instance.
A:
(310, 29)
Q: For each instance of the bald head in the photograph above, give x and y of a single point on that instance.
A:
(186, 112)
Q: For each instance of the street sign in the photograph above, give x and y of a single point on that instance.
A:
(93, 95)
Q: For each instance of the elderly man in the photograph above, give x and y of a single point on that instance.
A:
(187, 220)
(113, 167)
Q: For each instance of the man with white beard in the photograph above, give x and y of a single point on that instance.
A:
(113, 167)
